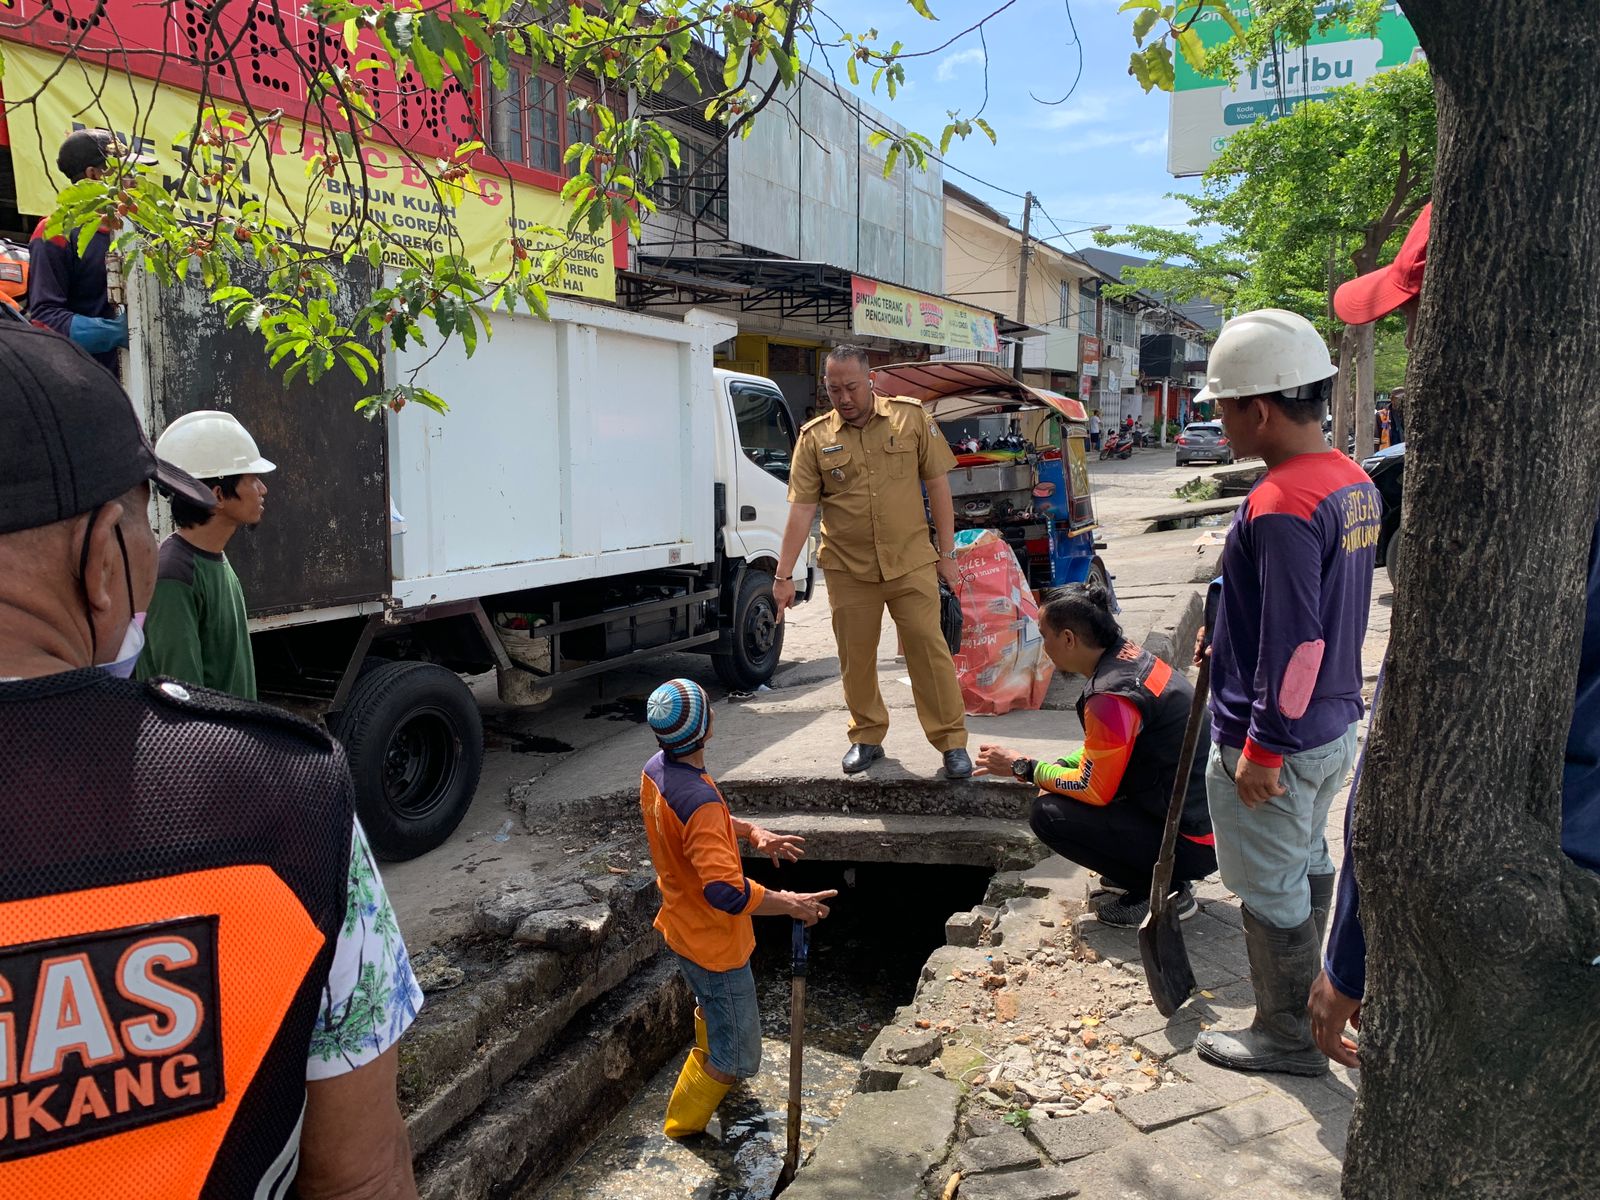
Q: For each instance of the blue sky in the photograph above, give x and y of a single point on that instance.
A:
(1097, 158)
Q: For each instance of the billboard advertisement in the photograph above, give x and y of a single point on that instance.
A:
(887, 311)
(393, 189)
(1206, 112)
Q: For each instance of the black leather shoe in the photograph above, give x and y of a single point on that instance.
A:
(861, 756)
(957, 765)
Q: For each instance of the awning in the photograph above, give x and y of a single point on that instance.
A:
(779, 287)
(949, 390)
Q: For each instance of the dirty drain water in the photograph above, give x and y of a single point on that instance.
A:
(739, 1156)
(866, 960)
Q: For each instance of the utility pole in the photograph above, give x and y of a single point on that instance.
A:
(1022, 282)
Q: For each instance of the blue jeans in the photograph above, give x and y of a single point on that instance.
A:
(733, 1019)
(1266, 853)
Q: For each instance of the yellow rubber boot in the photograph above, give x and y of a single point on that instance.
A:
(694, 1099)
(701, 1037)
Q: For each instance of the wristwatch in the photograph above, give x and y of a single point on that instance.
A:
(951, 555)
(1022, 769)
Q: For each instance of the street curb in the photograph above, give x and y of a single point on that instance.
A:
(1173, 640)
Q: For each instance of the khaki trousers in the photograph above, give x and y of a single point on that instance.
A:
(913, 602)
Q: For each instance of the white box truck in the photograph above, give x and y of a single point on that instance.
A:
(598, 492)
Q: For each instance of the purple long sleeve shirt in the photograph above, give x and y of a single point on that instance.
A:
(63, 284)
(1296, 585)
(1346, 960)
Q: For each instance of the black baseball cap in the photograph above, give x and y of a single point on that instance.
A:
(72, 441)
(83, 149)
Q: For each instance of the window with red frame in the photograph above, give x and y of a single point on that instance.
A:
(533, 121)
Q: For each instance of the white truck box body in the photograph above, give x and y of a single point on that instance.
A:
(575, 448)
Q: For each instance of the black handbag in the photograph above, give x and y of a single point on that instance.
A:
(950, 617)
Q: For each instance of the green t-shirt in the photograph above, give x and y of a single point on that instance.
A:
(197, 629)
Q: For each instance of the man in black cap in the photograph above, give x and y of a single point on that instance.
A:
(200, 973)
(67, 290)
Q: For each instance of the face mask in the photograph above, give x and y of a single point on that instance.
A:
(128, 653)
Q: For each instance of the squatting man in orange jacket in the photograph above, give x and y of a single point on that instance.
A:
(707, 903)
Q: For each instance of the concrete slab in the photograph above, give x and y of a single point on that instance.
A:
(883, 1143)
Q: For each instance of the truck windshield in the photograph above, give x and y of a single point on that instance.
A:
(766, 431)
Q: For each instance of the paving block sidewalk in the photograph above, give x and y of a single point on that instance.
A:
(1221, 1133)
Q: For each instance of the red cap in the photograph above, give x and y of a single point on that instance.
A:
(1378, 293)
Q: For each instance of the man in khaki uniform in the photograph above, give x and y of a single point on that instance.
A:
(866, 463)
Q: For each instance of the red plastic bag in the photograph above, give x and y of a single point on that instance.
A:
(1002, 664)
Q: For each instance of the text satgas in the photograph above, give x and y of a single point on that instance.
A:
(99, 1032)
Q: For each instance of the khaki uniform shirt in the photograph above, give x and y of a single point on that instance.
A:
(869, 483)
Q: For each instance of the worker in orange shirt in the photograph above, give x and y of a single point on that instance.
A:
(707, 903)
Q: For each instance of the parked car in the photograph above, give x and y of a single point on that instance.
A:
(1387, 470)
(1204, 441)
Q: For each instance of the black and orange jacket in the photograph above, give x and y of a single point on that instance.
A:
(171, 892)
(1134, 711)
(706, 901)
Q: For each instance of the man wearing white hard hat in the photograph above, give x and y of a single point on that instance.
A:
(198, 630)
(1285, 671)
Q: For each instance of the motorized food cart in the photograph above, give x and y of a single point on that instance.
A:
(1008, 476)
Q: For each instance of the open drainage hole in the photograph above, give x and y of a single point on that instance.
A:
(865, 962)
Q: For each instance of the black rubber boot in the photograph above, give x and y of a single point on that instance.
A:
(1321, 903)
(1283, 964)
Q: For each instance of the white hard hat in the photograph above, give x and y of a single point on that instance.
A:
(1269, 350)
(209, 444)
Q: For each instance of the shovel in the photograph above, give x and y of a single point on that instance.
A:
(797, 1033)
(1166, 959)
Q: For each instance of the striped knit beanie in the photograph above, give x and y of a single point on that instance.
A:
(680, 713)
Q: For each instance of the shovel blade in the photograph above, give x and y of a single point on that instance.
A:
(1166, 959)
(785, 1178)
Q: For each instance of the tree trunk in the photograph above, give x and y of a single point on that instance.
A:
(1363, 401)
(1480, 1041)
(1343, 387)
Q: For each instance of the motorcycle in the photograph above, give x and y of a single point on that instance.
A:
(1116, 445)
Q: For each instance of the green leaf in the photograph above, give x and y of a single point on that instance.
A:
(400, 26)
(352, 34)
(850, 70)
(987, 129)
(432, 30)
(1193, 50)
(354, 364)
(86, 234)
(1220, 7)
(499, 61)
(1152, 67)
(922, 9)
(428, 66)
(889, 163)
(1144, 23)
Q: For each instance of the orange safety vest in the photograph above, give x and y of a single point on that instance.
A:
(170, 898)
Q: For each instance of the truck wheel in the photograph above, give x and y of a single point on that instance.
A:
(414, 737)
(756, 639)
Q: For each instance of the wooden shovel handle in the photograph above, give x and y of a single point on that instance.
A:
(1161, 880)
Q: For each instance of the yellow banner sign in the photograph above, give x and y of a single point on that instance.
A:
(884, 310)
(156, 119)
